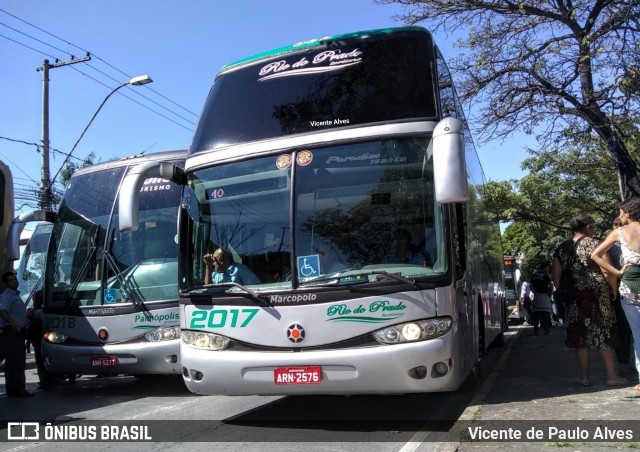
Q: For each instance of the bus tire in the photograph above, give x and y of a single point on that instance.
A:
(472, 381)
(499, 340)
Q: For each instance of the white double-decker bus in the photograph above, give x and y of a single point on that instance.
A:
(111, 298)
(340, 172)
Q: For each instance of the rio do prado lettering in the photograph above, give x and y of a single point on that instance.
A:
(335, 59)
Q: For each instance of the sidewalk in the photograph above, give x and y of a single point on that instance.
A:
(532, 388)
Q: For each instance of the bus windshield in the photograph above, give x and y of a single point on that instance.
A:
(31, 267)
(350, 81)
(136, 267)
(354, 210)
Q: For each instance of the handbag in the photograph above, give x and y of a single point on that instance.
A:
(566, 292)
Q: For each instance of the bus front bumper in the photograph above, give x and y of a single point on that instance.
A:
(129, 359)
(391, 369)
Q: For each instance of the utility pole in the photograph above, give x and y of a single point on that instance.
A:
(46, 197)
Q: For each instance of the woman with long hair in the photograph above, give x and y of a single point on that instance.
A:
(590, 317)
(628, 235)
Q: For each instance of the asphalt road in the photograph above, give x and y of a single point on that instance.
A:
(123, 406)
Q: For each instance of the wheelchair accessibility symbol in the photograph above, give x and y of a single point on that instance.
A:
(308, 266)
(110, 296)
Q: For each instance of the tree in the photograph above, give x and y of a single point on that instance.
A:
(562, 182)
(71, 168)
(547, 66)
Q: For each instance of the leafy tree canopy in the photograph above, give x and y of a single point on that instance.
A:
(546, 67)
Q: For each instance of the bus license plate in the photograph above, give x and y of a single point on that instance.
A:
(104, 361)
(308, 375)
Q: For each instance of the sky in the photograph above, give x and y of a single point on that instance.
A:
(181, 46)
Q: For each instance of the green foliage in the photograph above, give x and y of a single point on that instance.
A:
(576, 177)
(549, 68)
(71, 167)
(566, 71)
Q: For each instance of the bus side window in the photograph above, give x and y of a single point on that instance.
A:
(459, 233)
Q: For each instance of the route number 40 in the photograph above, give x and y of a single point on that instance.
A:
(219, 318)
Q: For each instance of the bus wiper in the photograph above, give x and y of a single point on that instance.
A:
(350, 278)
(83, 267)
(124, 285)
(256, 297)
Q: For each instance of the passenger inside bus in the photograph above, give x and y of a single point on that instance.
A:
(401, 251)
(331, 260)
(221, 268)
(276, 267)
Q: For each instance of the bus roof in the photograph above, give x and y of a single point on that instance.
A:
(317, 41)
(140, 158)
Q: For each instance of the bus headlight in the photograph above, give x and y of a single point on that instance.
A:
(163, 334)
(418, 330)
(54, 337)
(205, 341)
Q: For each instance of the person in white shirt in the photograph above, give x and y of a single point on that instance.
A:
(525, 301)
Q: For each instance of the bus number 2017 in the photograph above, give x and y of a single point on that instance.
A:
(219, 318)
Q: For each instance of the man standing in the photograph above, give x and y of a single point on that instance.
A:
(13, 322)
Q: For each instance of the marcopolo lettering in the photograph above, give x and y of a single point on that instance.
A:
(292, 298)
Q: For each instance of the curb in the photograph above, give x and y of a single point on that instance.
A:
(419, 441)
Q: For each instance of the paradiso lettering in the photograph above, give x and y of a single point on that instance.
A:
(386, 309)
(374, 159)
(332, 59)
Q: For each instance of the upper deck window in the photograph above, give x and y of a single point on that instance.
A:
(340, 82)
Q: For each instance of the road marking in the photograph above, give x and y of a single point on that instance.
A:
(469, 413)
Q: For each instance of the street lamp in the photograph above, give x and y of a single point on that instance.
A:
(135, 81)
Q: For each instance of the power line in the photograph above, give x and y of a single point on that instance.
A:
(131, 99)
(35, 39)
(17, 166)
(28, 47)
(142, 95)
(55, 151)
(122, 94)
(98, 58)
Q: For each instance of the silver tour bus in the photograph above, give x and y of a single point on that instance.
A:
(111, 298)
(340, 177)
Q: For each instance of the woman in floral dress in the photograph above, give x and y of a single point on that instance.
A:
(590, 319)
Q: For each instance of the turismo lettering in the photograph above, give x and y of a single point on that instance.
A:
(147, 188)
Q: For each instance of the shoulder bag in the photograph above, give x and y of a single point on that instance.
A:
(566, 292)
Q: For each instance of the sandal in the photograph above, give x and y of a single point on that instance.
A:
(637, 389)
(617, 381)
(583, 382)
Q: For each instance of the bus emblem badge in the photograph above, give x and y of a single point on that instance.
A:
(295, 333)
(103, 334)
